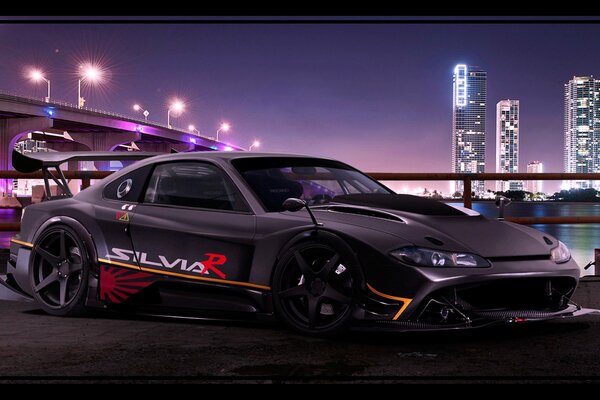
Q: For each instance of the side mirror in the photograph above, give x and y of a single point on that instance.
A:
(293, 204)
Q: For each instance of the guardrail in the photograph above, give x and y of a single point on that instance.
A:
(467, 179)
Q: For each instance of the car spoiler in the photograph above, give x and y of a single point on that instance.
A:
(44, 160)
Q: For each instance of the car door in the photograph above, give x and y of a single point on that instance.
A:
(113, 214)
(193, 223)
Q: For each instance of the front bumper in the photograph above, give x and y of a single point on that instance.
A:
(501, 318)
(531, 289)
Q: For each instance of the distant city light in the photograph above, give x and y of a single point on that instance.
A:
(193, 140)
(228, 148)
(36, 75)
(191, 127)
(137, 107)
(177, 106)
(224, 127)
(256, 143)
(91, 72)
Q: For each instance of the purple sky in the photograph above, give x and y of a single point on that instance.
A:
(375, 96)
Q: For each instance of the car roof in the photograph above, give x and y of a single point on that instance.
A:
(232, 155)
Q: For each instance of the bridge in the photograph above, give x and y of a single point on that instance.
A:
(64, 127)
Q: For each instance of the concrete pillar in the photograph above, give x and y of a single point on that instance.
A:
(11, 129)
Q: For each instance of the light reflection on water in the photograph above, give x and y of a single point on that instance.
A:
(581, 239)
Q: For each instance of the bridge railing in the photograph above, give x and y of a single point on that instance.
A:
(86, 178)
(62, 103)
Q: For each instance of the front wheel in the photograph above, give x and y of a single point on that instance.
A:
(313, 289)
(59, 271)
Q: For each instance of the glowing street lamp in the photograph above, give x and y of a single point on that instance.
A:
(224, 127)
(177, 106)
(192, 128)
(36, 75)
(256, 143)
(90, 73)
(137, 107)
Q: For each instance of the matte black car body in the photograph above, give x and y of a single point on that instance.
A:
(189, 261)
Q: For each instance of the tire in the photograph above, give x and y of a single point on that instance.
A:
(59, 271)
(314, 289)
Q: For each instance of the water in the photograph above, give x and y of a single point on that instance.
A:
(582, 239)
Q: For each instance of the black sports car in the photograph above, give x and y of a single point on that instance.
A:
(310, 241)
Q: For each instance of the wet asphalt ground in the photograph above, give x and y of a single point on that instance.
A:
(116, 347)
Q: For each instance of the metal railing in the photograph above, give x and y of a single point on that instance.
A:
(467, 179)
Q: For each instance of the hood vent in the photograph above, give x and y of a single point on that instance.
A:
(435, 241)
(366, 211)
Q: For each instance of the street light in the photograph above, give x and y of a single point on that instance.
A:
(224, 127)
(92, 74)
(192, 128)
(178, 107)
(137, 107)
(256, 143)
(36, 75)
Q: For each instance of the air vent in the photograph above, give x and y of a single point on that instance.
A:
(435, 241)
(369, 212)
(548, 241)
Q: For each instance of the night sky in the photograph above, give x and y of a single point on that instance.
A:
(376, 96)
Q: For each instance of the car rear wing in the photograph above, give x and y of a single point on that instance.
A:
(44, 160)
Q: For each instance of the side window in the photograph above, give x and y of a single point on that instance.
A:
(129, 187)
(193, 184)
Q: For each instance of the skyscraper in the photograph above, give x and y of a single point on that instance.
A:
(507, 143)
(582, 128)
(534, 186)
(468, 124)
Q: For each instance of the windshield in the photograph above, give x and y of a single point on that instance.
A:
(316, 181)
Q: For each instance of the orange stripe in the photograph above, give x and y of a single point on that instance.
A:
(198, 278)
(21, 242)
(404, 300)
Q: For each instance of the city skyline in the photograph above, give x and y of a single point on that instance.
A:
(582, 128)
(375, 96)
(507, 142)
(469, 104)
(535, 186)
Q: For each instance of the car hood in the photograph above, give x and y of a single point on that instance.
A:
(433, 224)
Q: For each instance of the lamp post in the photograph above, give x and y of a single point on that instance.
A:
(256, 143)
(177, 106)
(192, 128)
(92, 74)
(37, 76)
(137, 107)
(224, 127)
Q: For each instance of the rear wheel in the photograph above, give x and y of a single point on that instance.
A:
(59, 271)
(313, 289)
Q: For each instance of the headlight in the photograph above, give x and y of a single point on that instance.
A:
(560, 254)
(434, 258)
